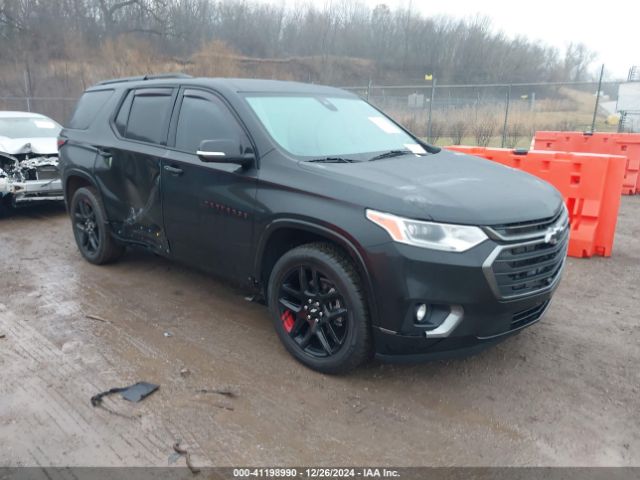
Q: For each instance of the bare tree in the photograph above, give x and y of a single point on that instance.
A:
(110, 9)
(437, 131)
(459, 50)
(458, 129)
(484, 130)
(577, 59)
(515, 132)
(65, 45)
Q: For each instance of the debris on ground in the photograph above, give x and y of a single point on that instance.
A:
(256, 299)
(185, 372)
(2, 335)
(225, 391)
(168, 334)
(181, 451)
(173, 458)
(132, 393)
(96, 318)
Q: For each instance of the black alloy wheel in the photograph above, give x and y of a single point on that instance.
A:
(319, 308)
(86, 225)
(90, 228)
(313, 311)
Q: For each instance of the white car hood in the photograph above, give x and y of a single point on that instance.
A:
(17, 146)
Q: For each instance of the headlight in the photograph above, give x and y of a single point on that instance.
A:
(438, 236)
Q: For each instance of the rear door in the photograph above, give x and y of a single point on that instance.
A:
(208, 207)
(128, 169)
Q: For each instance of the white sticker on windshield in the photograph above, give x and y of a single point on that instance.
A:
(385, 125)
(44, 124)
(415, 148)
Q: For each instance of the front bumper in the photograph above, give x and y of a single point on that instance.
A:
(469, 313)
(31, 191)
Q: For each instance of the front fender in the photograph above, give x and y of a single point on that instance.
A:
(348, 243)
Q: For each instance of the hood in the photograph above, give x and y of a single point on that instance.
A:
(39, 146)
(444, 187)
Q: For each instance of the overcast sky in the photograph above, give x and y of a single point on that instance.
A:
(611, 28)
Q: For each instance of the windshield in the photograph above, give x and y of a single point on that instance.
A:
(318, 127)
(28, 127)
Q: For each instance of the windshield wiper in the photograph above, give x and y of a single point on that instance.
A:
(331, 160)
(392, 153)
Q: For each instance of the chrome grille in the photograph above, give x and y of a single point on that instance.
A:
(528, 229)
(525, 268)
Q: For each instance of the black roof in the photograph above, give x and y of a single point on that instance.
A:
(238, 85)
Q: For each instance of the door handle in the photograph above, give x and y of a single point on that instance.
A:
(173, 170)
(104, 152)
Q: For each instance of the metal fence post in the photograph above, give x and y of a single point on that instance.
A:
(595, 110)
(27, 90)
(368, 90)
(506, 118)
(621, 122)
(532, 102)
(433, 96)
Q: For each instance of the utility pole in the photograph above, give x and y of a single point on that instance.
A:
(595, 110)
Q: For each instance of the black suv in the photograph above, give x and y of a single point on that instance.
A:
(360, 237)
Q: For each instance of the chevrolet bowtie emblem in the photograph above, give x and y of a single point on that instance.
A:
(552, 235)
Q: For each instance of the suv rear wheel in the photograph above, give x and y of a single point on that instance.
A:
(318, 308)
(89, 222)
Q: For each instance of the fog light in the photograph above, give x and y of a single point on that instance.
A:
(421, 312)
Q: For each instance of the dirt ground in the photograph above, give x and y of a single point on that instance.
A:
(564, 392)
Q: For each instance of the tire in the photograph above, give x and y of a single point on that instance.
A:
(5, 206)
(337, 309)
(90, 228)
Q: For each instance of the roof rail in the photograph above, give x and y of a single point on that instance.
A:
(145, 77)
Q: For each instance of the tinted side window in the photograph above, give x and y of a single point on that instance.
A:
(150, 110)
(88, 107)
(123, 114)
(205, 119)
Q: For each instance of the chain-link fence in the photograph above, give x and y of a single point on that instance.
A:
(496, 114)
(58, 108)
(488, 115)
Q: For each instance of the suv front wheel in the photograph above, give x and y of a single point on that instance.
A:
(319, 309)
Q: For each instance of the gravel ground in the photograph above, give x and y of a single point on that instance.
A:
(564, 392)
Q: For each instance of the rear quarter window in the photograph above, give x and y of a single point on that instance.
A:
(123, 115)
(87, 108)
(149, 114)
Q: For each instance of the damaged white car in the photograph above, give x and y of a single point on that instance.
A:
(28, 159)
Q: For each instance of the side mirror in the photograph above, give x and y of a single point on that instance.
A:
(224, 151)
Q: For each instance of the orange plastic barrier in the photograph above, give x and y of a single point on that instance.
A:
(627, 144)
(590, 184)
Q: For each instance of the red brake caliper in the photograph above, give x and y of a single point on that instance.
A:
(287, 320)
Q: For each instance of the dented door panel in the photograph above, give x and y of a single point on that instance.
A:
(130, 183)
